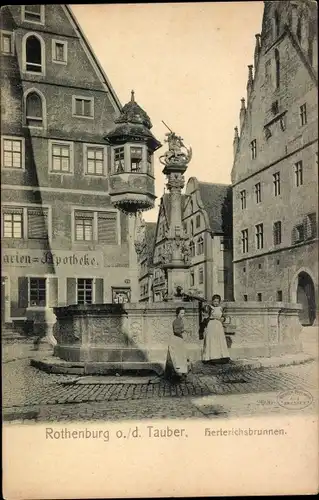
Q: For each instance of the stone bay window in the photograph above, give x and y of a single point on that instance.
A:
(132, 147)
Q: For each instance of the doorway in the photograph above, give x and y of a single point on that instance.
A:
(306, 297)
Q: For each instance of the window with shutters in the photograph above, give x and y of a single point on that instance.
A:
(37, 223)
(12, 152)
(33, 13)
(107, 227)
(33, 53)
(34, 109)
(84, 225)
(94, 159)
(83, 107)
(59, 51)
(7, 43)
(277, 232)
(12, 223)
(37, 292)
(84, 291)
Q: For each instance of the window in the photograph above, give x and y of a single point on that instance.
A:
(12, 223)
(33, 13)
(300, 233)
(84, 226)
(276, 25)
(83, 107)
(201, 276)
(192, 278)
(310, 224)
(279, 295)
(61, 157)
(276, 181)
(34, 54)
(136, 159)
(7, 44)
(259, 236)
(192, 249)
(94, 157)
(277, 232)
(29, 223)
(197, 221)
(277, 65)
(245, 298)
(253, 149)
(244, 240)
(96, 226)
(119, 160)
(84, 291)
(200, 246)
(243, 199)
(298, 173)
(149, 162)
(303, 114)
(258, 192)
(244, 269)
(59, 51)
(37, 223)
(260, 266)
(259, 297)
(12, 153)
(33, 110)
(37, 292)
(192, 227)
(268, 70)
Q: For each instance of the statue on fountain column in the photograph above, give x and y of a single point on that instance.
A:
(177, 151)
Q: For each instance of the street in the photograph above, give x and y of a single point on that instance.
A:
(30, 395)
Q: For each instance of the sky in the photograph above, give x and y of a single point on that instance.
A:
(187, 63)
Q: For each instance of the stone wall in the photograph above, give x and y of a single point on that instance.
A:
(141, 331)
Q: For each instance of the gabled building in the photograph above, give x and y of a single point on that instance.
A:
(275, 171)
(62, 240)
(207, 221)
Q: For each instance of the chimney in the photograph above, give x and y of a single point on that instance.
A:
(242, 113)
(235, 141)
(257, 50)
(250, 80)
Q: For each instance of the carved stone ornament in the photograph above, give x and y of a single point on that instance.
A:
(177, 152)
(139, 240)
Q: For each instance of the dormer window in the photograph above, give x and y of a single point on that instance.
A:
(33, 13)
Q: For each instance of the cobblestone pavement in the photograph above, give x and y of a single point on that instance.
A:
(30, 394)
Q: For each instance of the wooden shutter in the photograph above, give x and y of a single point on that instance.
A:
(107, 228)
(23, 289)
(71, 291)
(37, 223)
(53, 291)
(99, 291)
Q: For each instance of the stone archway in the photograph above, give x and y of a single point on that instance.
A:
(305, 295)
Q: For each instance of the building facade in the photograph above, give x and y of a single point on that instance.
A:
(275, 170)
(207, 222)
(62, 240)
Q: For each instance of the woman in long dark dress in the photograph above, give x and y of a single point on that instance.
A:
(177, 362)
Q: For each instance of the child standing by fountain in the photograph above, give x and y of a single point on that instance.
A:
(177, 362)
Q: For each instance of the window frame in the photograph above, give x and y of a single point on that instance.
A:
(12, 42)
(45, 279)
(244, 240)
(24, 54)
(13, 138)
(253, 149)
(86, 147)
(243, 199)
(277, 230)
(298, 168)
(42, 15)
(303, 117)
(92, 291)
(43, 125)
(82, 98)
(258, 192)
(259, 236)
(96, 211)
(54, 43)
(55, 142)
(24, 208)
(276, 183)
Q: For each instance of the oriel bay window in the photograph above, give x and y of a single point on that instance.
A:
(132, 158)
(119, 160)
(136, 158)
